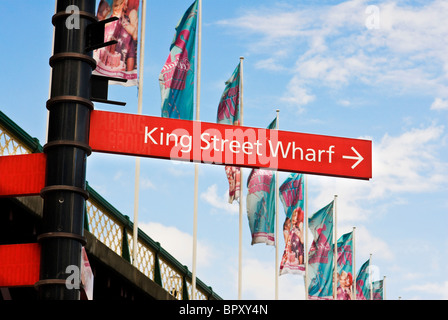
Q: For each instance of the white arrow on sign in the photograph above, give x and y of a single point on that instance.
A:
(358, 157)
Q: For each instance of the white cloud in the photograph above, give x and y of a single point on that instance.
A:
(439, 290)
(180, 168)
(269, 64)
(439, 104)
(404, 51)
(297, 94)
(145, 183)
(331, 45)
(258, 282)
(414, 29)
(367, 244)
(118, 175)
(408, 163)
(344, 102)
(412, 276)
(179, 244)
(267, 23)
(219, 202)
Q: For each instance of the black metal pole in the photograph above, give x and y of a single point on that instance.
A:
(62, 231)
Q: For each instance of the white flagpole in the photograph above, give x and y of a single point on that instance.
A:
(305, 226)
(276, 226)
(354, 266)
(196, 166)
(240, 228)
(335, 250)
(137, 159)
(384, 288)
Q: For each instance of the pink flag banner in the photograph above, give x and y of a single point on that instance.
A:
(345, 267)
(261, 206)
(292, 197)
(234, 177)
(119, 60)
(229, 113)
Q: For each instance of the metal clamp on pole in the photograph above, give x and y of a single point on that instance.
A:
(55, 188)
(66, 235)
(70, 143)
(95, 35)
(99, 87)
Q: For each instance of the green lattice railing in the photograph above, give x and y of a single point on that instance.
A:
(114, 229)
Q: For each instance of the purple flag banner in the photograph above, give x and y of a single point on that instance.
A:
(119, 60)
(234, 179)
(292, 197)
(345, 267)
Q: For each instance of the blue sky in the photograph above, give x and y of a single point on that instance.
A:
(331, 70)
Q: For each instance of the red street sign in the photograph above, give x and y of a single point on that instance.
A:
(213, 143)
(19, 264)
(22, 175)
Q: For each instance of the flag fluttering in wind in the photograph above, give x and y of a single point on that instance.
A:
(261, 206)
(273, 124)
(228, 108)
(363, 282)
(320, 257)
(229, 113)
(378, 290)
(260, 203)
(345, 267)
(292, 197)
(119, 60)
(177, 76)
(234, 179)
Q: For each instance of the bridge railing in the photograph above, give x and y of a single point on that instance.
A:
(115, 230)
